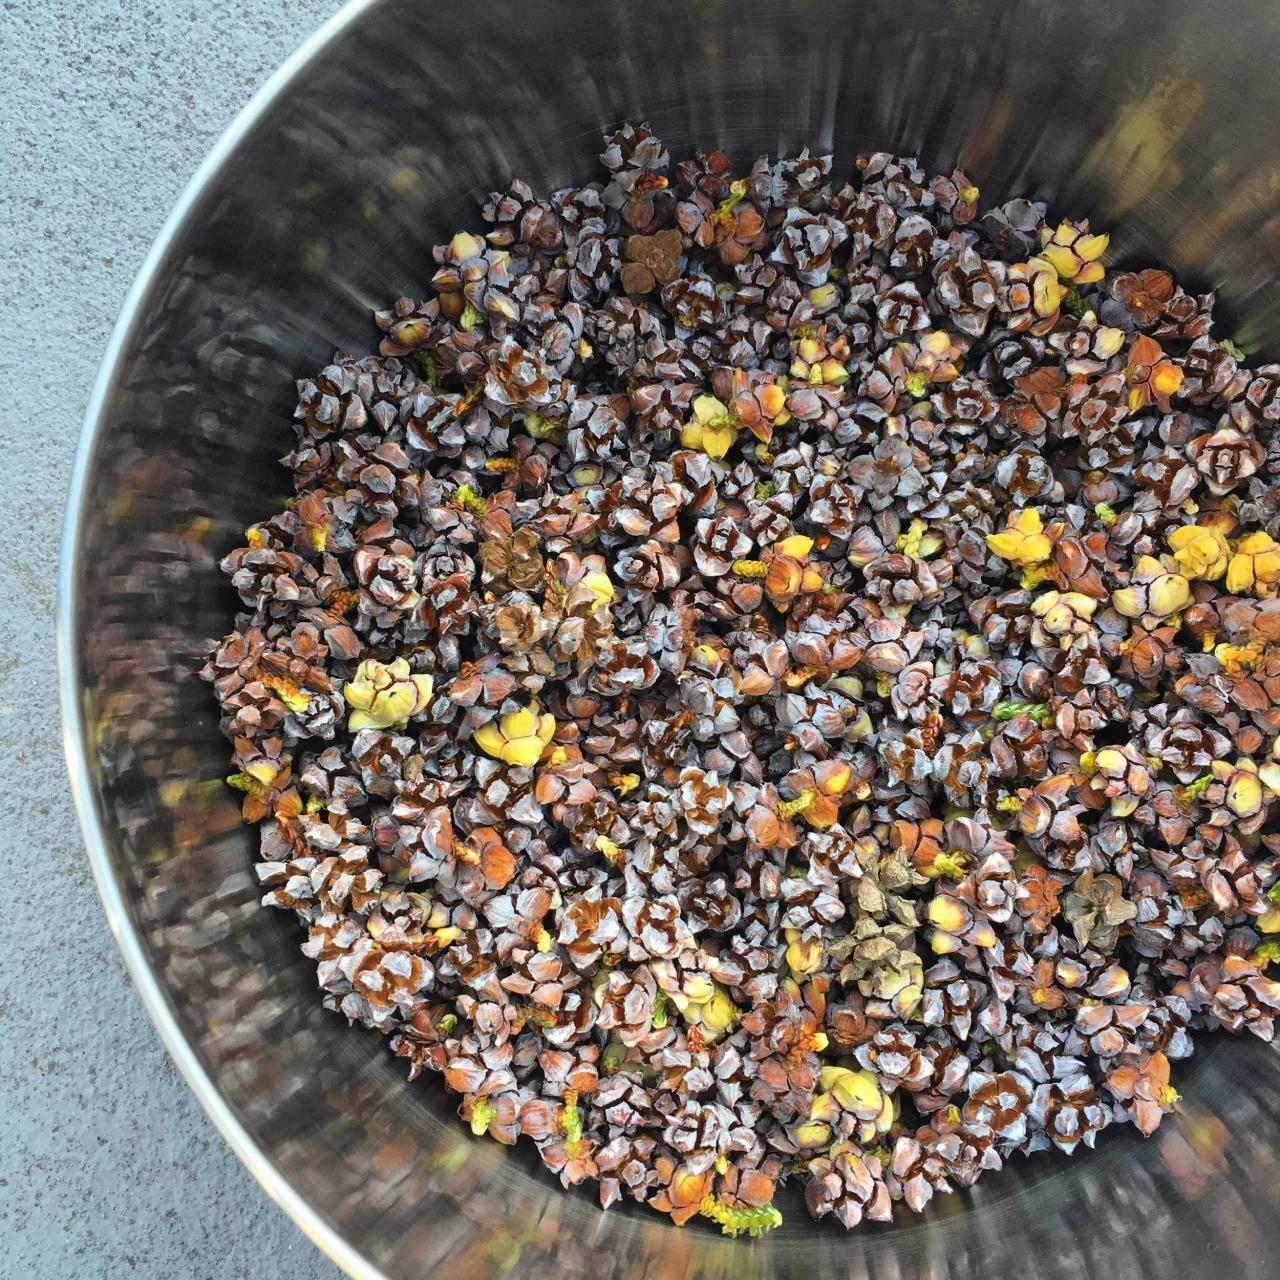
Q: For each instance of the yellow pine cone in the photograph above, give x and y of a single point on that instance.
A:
(611, 850)
(1255, 566)
(518, 738)
(1073, 252)
(954, 926)
(713, 429)
(1046, 292)
(815, 365)
(813, 1132)
(1024, 542)
(1166, 379)
(938, 357)
(1155, 591)
(1039, 278)
(1064, 618)
(948, 914)
(797, 545)
(1107, 340)
(803, 957)
(464, 245)
(856, 1091)
(601, 586)
(1201, 550)
(385, 695)
(712, 1016)
(1247, 785)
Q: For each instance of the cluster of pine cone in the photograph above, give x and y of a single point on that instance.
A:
(773, 677)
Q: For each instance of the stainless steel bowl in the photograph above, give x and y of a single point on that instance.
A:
(1157, 119)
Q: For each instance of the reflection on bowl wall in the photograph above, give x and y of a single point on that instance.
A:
(1156, 119)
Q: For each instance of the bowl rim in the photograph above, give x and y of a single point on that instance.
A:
(68, 638)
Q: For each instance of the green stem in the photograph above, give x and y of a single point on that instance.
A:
(751, 1221)
(1040, 712)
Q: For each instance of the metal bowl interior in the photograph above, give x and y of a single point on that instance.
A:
(1158, 119)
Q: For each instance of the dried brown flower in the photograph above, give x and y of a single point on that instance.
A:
(1095, 908)
(651, 261)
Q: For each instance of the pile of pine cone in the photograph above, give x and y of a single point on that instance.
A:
(772, 677)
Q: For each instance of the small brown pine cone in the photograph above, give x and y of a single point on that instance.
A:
(807, 242)
(518, 377)
(901, 311)
(1259, 399)
(1070, 1113)
(1000, 1103)
(963, 283)
(849, 1185)
(911, 246)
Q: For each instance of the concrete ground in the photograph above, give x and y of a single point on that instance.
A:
(108, 1166)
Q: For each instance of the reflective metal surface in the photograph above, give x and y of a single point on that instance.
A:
(1157, 119)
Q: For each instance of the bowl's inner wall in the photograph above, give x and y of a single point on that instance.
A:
(1156, 119)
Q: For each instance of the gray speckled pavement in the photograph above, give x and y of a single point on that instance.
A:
(108, 1166)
